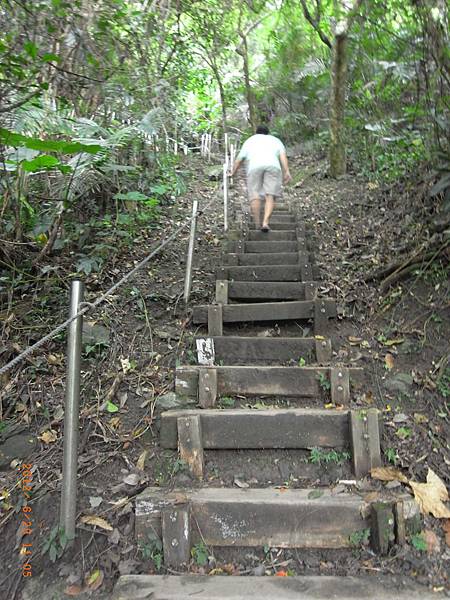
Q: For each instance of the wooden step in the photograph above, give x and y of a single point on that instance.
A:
(235, 350)
(264, 258)
(269, 273)
(270, 290)
(273, 236)
(220, 587)
(282, 217)
(276, 225)
(265, 247)
(193, 431)
(208, 383)
(320, 310)
(281, 518)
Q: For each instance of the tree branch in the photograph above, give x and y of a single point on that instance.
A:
(19, 103)
(315, 24)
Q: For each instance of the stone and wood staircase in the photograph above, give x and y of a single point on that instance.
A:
(267, 278)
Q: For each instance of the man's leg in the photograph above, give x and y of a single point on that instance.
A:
(254, 185)
(255, 207)
(268, 209)
(272, 188)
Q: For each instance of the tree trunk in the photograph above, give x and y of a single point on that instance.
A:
(223, 104)
(338, 163)
(248, 88)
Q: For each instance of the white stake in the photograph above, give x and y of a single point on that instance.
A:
(232, 153)
(226, 146)
(190, 254)
(225, 196)
(209, 146)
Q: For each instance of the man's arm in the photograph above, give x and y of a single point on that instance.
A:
(237, 164)
(285, 167)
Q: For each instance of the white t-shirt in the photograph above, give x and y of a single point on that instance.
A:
(261, 151)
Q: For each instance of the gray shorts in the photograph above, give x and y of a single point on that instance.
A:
(264, 180)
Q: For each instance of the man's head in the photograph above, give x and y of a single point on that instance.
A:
(262, 129)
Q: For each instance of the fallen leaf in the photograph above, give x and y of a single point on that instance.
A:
(315, 494)
(141, 460)
(393, 342)
(55, 359)
(367, 397)
(95, 579)
(371, 497)
(281, 574)
(115, 422)
(354, 341)
(240, 484)
(432, 541)
(73, 590)
(120, 503)
(419, 418)
(114, 538)
(131, 479)
(431, 496)
(446, 528)
(111, 407)
(58, 414)
(98, 521)
(126, 365)
(389, 361)
(332, 406)
(123, 397)
(95, 501)
(49, 437)
(400, 418)
(388, 474)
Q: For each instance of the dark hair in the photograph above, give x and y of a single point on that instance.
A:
(262, 129)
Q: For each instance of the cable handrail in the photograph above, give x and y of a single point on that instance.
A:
(88, 306)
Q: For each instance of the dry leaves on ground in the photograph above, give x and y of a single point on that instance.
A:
(389, 361)
(49, 436)
(388, 474)
(98, 521)
(430, 496)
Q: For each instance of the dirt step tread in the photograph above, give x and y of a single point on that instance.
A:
(268, 236)
(266, 246)
(220, 587)
(267, 258)
(268, 290)
(278, 272)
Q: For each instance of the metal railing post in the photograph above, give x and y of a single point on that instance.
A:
(71, 416)
(190, 255)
